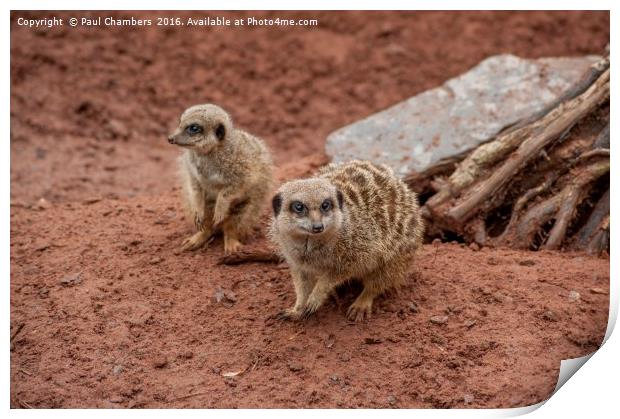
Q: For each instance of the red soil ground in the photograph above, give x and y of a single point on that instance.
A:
(106, 313)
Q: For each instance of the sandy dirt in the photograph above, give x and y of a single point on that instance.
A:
(105, 312)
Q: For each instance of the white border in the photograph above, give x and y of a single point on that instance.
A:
(594, 391)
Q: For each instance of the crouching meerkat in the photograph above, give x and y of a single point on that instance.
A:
(354, 220)
(226, 175)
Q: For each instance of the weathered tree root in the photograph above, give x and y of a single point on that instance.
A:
(602, 140)
(258, 256)
(593, 236)
(600, 241)
(560, 207)
(547, 129)
(474, 163)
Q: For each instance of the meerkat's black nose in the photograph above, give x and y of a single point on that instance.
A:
(317, 228)
(171, 139)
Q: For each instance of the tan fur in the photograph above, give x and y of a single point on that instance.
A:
(373, 237)
(225, 181)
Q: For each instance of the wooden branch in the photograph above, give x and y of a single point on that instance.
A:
(418, 181)
(531, 223)
(554, 207)
(602, 140)
(592, 226)
(258, 256)
(600, 241)
(565, 214)
(534, 192)
(546, 130)
(597, 152)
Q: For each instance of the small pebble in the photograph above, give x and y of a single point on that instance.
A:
(43, 204)
(295, 366)
(344, 357)
(439, 319)
(573, 296)
(469, 323)
(156, 260)
(71, 280)
(186, 355)
(160, 362)
(598, 291)
(550, 316)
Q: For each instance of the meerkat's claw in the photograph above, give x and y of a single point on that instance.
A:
(198, 221)
(309, 309)
(218, 218)
(288, 314)
(231, 245)
(359, 311)
(195, 242)
(306, 313)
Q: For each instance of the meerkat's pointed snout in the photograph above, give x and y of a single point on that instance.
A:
(171, 139)
(317, 228)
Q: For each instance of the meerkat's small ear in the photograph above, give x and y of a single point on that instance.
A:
(340, 198)
(276, 203)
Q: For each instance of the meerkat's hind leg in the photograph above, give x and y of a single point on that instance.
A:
(239, 225)
(375, 284)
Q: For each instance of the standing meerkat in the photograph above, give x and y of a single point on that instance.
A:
(353, 220)
(226, 175)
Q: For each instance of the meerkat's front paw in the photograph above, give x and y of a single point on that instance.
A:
(198, 221)
(288, 314)
(311, 306)
(359, 311)
(195, 242)
(231, 244)
(218, 216)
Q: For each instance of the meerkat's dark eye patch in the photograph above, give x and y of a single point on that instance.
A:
(193, 129)
(326, 206)
(276, 203)
(298, 207)
(220, 132)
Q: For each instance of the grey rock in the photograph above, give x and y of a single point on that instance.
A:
(461, 114)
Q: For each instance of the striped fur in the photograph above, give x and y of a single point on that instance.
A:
(372, 238)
